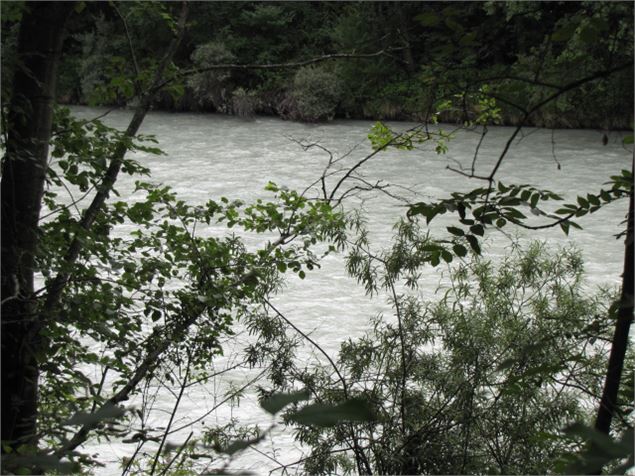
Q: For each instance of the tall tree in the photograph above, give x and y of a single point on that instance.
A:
(23, 175)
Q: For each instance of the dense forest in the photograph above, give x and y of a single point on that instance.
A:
(518, 368)
(404, 57)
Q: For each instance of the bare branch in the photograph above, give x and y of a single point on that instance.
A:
(315, 344)
(468, 175)
(218, 405)
(131, 48)
(174, 409)
(547, 100)
(178, 453)
(274, 66)
(367, 158)
(478, 147)
(553, 148)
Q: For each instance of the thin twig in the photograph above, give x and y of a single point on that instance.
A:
(315, 344)
(404, 371)
(225, 400)
(553, 148)
(132, 458)
(135, 64)
(100, 387)
(72, 204)
(478, 147)
(273, 66)
(174, 409)
(178, 453)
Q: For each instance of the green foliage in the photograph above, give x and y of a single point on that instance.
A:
(315, 94)
(211, 88)
(329, 415)
(277, 401)
(602, 450)
(468, 58)
(161, 284)
(483, 381)
(382, 137)
(484, 208)
(104, 70)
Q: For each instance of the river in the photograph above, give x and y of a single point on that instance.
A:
(209, 156)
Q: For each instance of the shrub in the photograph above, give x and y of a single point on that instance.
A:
(481, 382)
(314, 96)
(211, 88)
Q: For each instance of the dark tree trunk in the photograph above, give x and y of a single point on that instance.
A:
(608, 403)
(23, 173)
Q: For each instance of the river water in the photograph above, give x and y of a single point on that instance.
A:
(209, 156)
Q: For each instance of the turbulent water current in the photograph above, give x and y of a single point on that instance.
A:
(209, 156)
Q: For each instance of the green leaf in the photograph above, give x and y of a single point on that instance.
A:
(605, 196)
(628, 139)
(447, 256)
(325, 415)
(513, 213)
(575, 225)
(564, 211)
(270, 187)
(477, 230)
(468, 39)
(459, 250)
(524, 196)
(276, 402)
(455, 231)
(473, 241)
(506, 364)
(428, 19)
(380, 136)
(565, 227)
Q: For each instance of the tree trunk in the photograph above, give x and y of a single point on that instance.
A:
(608, 403)
(23, 175)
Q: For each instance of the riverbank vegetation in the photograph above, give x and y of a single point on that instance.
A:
(517, 368)
(425, 54)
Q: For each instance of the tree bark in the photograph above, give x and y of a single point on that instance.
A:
(608, 403)
(23, 174)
